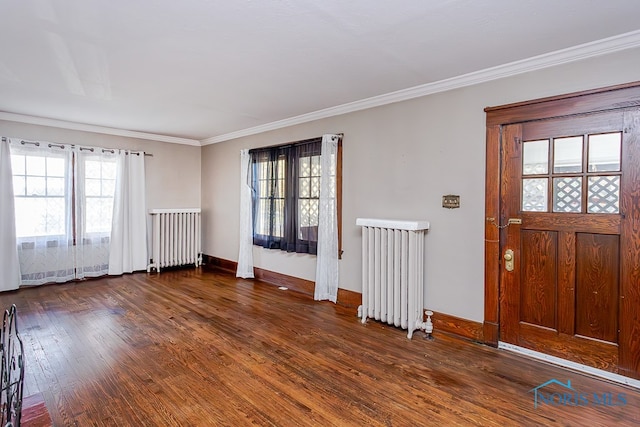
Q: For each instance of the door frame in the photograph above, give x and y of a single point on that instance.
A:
(619, 97)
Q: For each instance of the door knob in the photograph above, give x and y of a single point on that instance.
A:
(508, 258)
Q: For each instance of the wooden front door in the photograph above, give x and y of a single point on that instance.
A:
(561, 276)
(568, 228)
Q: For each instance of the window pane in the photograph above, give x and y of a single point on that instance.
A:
(278, 218)
(29, 219)
(305, 166)
(36, 165)
(55, 166)
(17, 164)
(109, 170)
(315, 187)
(280, 187)
(108, 187)
(535, 157)
(314, 212)
(303, 213)
(604, 152)
(567, 155)
(261, 171)
(92, 187)
(19, 185)
(262, 217)
(55, 186)
(534, 194)
(36, 186)
(315, 166)
(55, 216)
(262, 187)
(604, 194)
(304, 187)
(99, 212)
(92, 169)
(308, 219)
(567, 194)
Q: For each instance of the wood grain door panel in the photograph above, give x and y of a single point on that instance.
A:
(597, 286)
(538, 282)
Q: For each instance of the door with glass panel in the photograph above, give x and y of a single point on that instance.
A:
(562, 185)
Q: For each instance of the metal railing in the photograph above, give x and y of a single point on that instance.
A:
(12, 370)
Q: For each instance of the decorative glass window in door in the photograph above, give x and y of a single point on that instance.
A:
(579, 174)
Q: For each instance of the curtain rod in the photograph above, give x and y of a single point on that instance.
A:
(50, 145)
(289, 144)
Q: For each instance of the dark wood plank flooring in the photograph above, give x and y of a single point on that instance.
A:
(196, 348)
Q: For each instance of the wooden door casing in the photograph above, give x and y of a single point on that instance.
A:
(603, 331)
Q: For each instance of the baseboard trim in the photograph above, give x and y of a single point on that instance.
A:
(458, 326)
(631, 382)
(213, 263)
(345, 297)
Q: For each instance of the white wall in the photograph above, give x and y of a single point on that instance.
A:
(172, 174)
(399, 160)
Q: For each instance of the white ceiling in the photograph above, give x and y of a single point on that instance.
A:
(208, 70)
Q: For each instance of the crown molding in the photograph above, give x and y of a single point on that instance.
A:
(21, 118)
(559, 57)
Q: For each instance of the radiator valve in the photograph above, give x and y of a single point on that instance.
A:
(428, 325)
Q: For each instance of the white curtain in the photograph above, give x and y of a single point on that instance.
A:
(9, 266)
(245, 256)
(42, 194)
(128, 251)
(327, 258)
(95, 188)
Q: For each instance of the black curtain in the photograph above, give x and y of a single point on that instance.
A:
(276, 181)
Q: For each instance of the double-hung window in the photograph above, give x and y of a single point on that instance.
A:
(63, 198)
(99, 181)
(41, 185)
(286, 194)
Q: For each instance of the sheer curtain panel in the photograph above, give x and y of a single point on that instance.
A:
(245, 256)
(9, 265)
(327, 263)
(42, 184)
(95, 180)
(128, 244)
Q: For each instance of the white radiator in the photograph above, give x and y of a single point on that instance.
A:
(393, 272)
(175, 238)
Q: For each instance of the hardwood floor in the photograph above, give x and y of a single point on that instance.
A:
(196, 348)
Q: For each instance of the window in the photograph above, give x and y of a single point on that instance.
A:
(557, 171)
(99, 189)
(268, 174)
(286, 193)
(63, 197)
(40, 186)
(42, 190)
